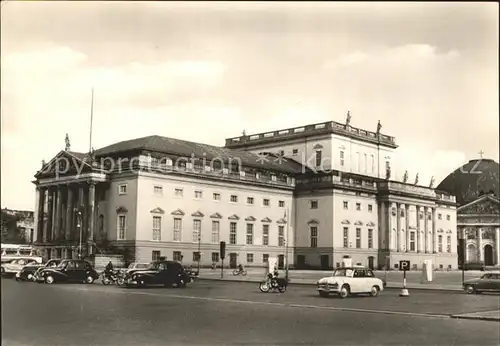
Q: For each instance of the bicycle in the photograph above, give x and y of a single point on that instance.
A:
(237, 272)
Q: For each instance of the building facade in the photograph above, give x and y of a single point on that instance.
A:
(311, 196)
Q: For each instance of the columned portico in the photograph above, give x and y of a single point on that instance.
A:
(434, 233)
(419, 238)
(398, 228)
(407, 227)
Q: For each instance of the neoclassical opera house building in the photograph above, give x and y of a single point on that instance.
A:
(316, 193)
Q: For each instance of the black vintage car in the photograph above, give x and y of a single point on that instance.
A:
(68, 271)
(489, 282)
(29, 272)
(166, 273)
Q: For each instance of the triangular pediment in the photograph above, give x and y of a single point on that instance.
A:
(157, 210)
(178, 212)
(370, 224)
(121, 209)
(282, 220)
(266, 219)
(358, 223)
(65, 163)
(250, 218)
(216, 216)
(234, 217)
(485, 205)
(313, 222)
(317, 147)
(345, 222)
(197, 214)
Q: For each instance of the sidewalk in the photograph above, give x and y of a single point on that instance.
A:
(312, 277)
(493, 315)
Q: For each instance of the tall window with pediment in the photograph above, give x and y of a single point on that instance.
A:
(346, 237)
(448, 243)
(358, 238)
(196, 230)
(370, 238)
(314, 236)
(121, 225)
(249, 233)
(157, 228)
(440, 243)
(281, 235)
(265, 235)
(318, 158)
(341, 158)
(177, 229)
(215, 231)
(412, 241)
(233, 227)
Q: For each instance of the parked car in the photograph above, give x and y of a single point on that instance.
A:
(68, 271)
(28, 272)
(488, 282)
(166, 273)
(14, 266)
(353, 280)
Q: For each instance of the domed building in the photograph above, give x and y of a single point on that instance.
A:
(476, 187)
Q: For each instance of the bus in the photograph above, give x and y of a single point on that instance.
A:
(14, 256)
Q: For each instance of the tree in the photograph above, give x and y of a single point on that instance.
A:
(10, 232)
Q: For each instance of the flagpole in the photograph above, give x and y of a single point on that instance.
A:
(91, 120)
(286, 242)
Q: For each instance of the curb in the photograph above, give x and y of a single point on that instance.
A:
(479, 318)
(451, 290)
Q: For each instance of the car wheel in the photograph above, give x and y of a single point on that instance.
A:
(374, 291)
(49, 279)
(344, 291)
(470, 289)
(30, 277)
(89, 280)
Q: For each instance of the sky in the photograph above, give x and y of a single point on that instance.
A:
(206, 71)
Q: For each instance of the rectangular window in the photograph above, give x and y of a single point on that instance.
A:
(440, 243)
(281, 235)
(198, 194)
(155, 255)
(196, 256)
(122, 227)
(215, 232)
(346, 237)
(448, 218)
(295, 152)
(158, 190)
(232, 233)
(440, 217)
(249, 233)
(358, 206)
(318, 158)
(196, 230)
(265, 234)
(281, 204)
(358, 238)
(342, 158)
(249, 257)
(157, 228)
(177, 256)
(215, 257)
(249, 200)
(234, 199)
(177, 229)
(370, 238)
(314, 236)
(265, 258)
(346, 205)
(122, 189)
(448, 243)
(216, 196)
(265, 202)
(314, 204)
(370, 208)
(412, 241)
(179, 192)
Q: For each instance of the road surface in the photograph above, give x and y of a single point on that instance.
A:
(236, 313)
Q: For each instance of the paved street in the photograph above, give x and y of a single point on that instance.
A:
(232, 313)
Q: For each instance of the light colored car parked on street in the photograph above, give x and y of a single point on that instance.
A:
(346, 281)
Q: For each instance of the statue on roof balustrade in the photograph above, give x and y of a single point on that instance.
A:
(67, 143)
(405, 177)
(416, 179)
(431, 184)
(348, 118)
(388, 172)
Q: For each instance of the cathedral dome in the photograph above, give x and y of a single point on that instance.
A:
(475, 178)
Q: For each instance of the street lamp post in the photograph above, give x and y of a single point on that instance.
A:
(79, 225)
(199, 250)
(464, 249)
(286, 243)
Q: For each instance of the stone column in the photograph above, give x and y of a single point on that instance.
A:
(426, 230)
(418, 247)
(50, 207)
(398, 227)
(57, 223)
(434, 231)
(389, 225)
(69, 213)
(466, 249)
(81, 204)
(54, 212)
(497, 244)
(407, 220)
(91, 210)
(40, 216)
(479, 244)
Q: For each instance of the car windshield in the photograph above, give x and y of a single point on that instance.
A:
(342, 272)
(142, 265)
(60, 265)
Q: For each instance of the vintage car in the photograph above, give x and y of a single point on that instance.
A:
(166, 273)
(346, 281)
(14, 266)
(28, 273)
(68, 271)
(488, 282)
